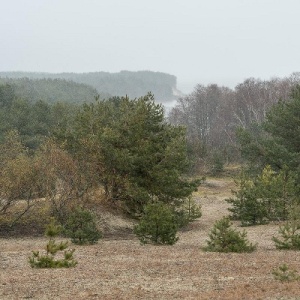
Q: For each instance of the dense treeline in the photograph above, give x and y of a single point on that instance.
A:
(33, 120)
(132, 84)
(212, 114)
(51, 90)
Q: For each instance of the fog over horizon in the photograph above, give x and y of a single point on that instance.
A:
(222, 42)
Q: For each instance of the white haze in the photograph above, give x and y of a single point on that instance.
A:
(198, 41)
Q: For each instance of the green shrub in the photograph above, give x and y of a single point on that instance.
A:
(158, 225)
(81, 227)
(284, 274)
(225, 239)
(188, 212)
(266, 197)
(290, 233)
(246, 206)
(48, 260)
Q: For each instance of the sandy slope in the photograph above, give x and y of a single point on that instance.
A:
(118, 267)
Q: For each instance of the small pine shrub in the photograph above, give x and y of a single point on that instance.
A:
(225, 239)
(48, 260)
(81, 227)
(246, 206)
(267, 197)
(284, 274)
(290, 237)
(189, 212)
(158, 225)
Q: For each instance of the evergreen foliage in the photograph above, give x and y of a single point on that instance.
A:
(225, 239)
(273, 150)
(136, 155)
(81, 227)
(47, 260)
(290, 231)
(267, 197)
(246, 206)
(33, 120)
(188, 212)
(49, 90)
(290, 237)
(284, 274)
(158, 225)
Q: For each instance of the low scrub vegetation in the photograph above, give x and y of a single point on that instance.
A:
(49, 260)
(223, 238)
(81, 227)
(284, 274)
(290, 232)
(157, 225)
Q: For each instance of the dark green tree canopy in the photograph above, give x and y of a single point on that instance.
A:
(137, 155)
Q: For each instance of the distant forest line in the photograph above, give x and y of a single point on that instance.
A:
(132, 84)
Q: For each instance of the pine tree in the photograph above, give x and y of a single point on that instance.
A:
(277, 142)
(81, 227)
(137, 155)
(225, 239)
(246, 205)
(290, 231)
(47, 260)
(158, 225)
(188, 212)
(284, 274)
(290, 237)
(267, 197)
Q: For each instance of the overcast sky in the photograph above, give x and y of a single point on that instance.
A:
(198, 41)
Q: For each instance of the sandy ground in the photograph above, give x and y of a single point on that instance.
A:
(118, 267)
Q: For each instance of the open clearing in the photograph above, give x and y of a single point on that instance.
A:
(118, 267)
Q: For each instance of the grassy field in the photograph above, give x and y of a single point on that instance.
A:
(118, 267)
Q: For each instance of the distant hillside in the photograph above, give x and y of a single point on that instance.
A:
(50, 90)
(133, 84)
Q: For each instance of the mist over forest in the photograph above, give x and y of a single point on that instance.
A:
(82, 153)
(131, 146)
(211, 114)
(132, 84)
(150, 149)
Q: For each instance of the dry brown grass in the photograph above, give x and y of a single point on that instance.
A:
(118, 267)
